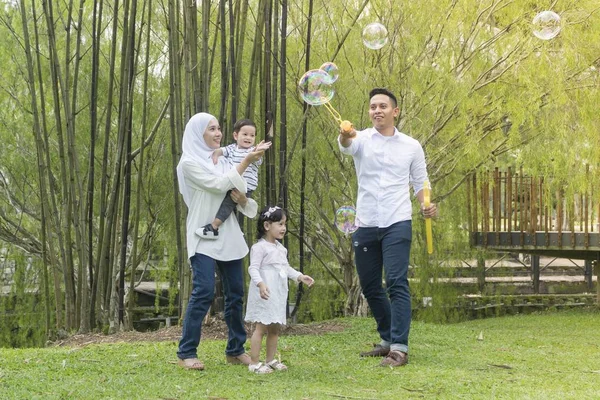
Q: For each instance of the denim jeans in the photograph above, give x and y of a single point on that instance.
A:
(203, 292)
(386, 249)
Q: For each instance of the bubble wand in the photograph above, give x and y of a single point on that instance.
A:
(345, 125)
(316, 88)
(426, 203)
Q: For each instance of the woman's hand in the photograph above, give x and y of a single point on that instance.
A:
(264, 291)
(239, 197)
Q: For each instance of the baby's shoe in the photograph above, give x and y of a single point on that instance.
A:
(260, 368)
(208, 232)
(276, 365)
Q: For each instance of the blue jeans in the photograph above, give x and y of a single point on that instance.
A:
(203, 292)
(375, 250)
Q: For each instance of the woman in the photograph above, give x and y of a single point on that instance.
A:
(203, 186)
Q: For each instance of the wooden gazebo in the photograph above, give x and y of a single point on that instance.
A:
(512, 212)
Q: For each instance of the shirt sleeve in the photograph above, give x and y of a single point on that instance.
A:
(199, 177)
(257, 254)
(228, 150)
(418, 170)
(291, 272)
(355, 144)
(250, 209)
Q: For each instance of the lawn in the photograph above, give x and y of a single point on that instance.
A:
(554, 355)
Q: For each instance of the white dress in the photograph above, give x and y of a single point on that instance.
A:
(269, 264)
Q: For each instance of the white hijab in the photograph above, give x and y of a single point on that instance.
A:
(195, 150)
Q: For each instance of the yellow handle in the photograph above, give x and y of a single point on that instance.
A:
(426, 203)
(346, 126)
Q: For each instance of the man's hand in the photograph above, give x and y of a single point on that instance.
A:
(307, 280)
(239, 197)
(429, 212)
(346, 137)
(264, 291)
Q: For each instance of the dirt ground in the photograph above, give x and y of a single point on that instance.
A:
(211, 329)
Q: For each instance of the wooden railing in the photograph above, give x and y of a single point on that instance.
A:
(508, 202)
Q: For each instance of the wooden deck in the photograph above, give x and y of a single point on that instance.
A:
(514, 213)
(573, 245)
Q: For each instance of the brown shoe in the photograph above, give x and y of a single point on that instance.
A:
(241, 359)
(191, 363)
(395, 359)
(378, 351)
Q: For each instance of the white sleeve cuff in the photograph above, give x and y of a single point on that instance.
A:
(250, 209)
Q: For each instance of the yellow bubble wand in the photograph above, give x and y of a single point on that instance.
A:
(345, 125)
(427, 203)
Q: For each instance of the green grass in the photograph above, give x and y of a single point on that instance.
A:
(539, 356)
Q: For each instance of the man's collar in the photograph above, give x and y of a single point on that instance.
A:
(396, 134)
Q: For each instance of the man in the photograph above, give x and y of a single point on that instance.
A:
(386, 162)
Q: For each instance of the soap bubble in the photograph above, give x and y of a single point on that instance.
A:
(315, 87)
(332, 71)
(546, 25)
(345, 219)
(375, 36)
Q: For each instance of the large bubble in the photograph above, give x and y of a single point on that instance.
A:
(546, 25)
(375, 36)
(332, 71)
(315, 87)
(345, 219)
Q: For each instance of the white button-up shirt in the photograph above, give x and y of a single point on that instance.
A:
(385, 166)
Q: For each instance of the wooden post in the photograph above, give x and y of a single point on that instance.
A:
(584, 204)
(533, 211)
(521, 194)
(589, 274)
(475, 204)
(469, 214)
(480, 272)
(485, 198)
(559, 215)
(598, 280)
(496, 209)
(535, 266)
(509, 202)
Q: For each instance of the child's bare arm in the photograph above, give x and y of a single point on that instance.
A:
(216, 154)
(264, 291)
(263, 146)
(307, 280)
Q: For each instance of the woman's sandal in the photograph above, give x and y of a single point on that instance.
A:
(260, 368)
(277, 365)
(191, 363)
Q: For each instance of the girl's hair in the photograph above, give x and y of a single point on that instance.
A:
(241, 123)
(268, 214)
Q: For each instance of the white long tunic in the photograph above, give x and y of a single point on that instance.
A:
(207, 188)
(269, 264)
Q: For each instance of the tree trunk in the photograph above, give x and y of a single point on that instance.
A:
(176, 126)
(58, 84)
(303, 168)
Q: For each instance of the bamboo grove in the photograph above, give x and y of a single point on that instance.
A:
(95, 95)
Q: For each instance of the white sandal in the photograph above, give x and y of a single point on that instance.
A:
(277, 366)
(260, 368)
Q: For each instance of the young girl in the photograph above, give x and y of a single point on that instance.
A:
(269, 270)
